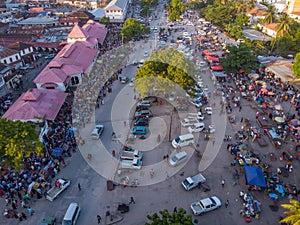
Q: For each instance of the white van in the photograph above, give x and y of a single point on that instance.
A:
(183, 140)
(178, 158)
(72, 214)
(197, 127)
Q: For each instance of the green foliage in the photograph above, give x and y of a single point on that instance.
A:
(166, 218)
(293, 215)
(270, 15)
(133, 28)
(104, 20)
(284, 25)
(16, 140)
(146, 5)
(296, 66)
(175, 8)
(163, 70)
(239, 57)
(195, 5)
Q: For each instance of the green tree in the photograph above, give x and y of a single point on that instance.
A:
(175, 8)
(164, 217)
(104, 20)
(133, 28)
(296, 66)
(170, 65)
(293, 215)
(237, 58)
(270, 15)
(17, 139)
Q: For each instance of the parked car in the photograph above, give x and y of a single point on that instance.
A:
(50, 56)
(208, 110)
(197, 127)
(139, 130)
(196, 102)
(61, 184)
(141, 122)
(186, 122)
(191, 182)
(205, 205)
(197, 115)
(143, 113)
(145, 103)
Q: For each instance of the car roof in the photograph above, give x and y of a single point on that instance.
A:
(206, 201)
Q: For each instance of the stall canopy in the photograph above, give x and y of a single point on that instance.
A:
(254, 176)
(211, 58)
(217, 68)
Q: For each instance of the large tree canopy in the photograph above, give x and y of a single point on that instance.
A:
(237, 58)
(133, 28)
(166, 218)
(17, 139)
(175, 8)
(296, 66)
(169, 65)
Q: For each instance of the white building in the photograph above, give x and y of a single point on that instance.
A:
(116, 10)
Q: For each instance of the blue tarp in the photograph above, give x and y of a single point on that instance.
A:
(255, 176)
(56, 152)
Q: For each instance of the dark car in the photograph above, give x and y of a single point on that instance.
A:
(141, 122)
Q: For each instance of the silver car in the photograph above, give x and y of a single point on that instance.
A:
(205, 205)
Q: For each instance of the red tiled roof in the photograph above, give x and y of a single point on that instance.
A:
(78, 32)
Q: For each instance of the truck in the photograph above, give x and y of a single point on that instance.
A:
(130, 155)
(190, 182)
(61, 184)
(135, 164)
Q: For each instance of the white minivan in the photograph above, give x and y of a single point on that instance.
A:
(183, 140)
(197, 127)
(178, 158)
(72, 214)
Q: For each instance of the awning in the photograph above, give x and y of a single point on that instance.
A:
(217, 68)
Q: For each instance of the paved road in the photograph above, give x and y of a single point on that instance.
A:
(167, 191)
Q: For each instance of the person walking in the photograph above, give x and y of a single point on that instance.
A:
(227, 203)
(132, 200)
(175, 209)
(223, 182)
(99, 219)
(30, 210)
(79, 187)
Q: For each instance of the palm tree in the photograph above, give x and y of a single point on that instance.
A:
(284, 25)
(293, 215)
(270, 16)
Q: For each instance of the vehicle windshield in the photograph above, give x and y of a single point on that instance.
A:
(213, 201)
(177, 140)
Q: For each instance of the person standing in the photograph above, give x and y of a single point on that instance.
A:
(79, 187)
(132, 200)
(99, 219)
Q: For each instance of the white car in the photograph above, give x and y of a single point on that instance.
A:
(146, 54)
(144, 103)
(197, 115)
(205, 205)
(186, 122)
(211, 129)
(197, 127)
(196, 102)
(208, 110)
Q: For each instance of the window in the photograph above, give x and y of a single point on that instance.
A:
(10, 59)
(74, 80)
(4, 61)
